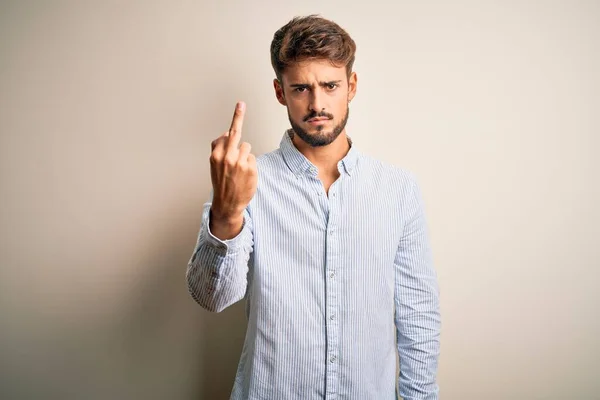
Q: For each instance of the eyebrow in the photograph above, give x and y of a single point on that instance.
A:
(303, 85)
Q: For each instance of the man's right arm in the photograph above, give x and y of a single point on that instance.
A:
(218, 269)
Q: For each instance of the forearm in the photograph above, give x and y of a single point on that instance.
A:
(419, 348)
(217, 271)
(417, 306)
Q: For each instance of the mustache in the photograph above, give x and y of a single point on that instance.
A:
(315, 114)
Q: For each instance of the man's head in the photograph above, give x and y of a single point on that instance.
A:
(312, 58)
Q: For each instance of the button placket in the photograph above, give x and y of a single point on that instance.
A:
(332, 290)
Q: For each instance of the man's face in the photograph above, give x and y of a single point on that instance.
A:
(316, 95)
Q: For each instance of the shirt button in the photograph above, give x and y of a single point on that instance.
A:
(332, 317)
(332, 359)
(331, 275)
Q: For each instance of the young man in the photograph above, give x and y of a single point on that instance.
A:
(328, 246)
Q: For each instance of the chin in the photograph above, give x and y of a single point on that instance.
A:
(317, 130)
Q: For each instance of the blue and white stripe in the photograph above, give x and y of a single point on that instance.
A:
(336, 284)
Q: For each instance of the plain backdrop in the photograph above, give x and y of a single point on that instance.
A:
(107, 111)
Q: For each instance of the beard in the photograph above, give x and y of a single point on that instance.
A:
(321, 138)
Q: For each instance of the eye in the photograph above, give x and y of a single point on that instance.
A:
(332, 86)
(300, 89)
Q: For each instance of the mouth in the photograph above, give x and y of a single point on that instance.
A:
(317, 121)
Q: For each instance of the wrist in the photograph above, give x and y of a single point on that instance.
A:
(225, 217)
(225, 227)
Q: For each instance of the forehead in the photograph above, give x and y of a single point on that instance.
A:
(313, 71)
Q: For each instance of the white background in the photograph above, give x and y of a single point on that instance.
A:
(107, 110)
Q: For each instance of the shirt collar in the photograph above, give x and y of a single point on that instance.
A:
(298, 163)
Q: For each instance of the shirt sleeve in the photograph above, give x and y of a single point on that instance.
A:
(417, 315)
(217, 270)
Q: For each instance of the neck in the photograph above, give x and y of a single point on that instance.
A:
(325, 158)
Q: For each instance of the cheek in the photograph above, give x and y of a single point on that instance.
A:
(340, 109)
(296, 109)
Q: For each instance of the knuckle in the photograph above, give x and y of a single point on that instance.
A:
(217, 142)
(216, 156)
(230, 160)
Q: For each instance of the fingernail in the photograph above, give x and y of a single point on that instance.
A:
(240, 105)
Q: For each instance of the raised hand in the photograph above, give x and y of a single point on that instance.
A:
(234, 178)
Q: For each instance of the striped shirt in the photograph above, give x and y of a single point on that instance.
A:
(336, 284)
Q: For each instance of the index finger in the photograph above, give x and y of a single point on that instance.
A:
(235, 131)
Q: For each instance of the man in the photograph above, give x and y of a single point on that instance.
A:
(328, 246)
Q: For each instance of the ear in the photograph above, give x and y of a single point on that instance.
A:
(279, 92)
(352, 81)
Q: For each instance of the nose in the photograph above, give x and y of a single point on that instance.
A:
(316, 101)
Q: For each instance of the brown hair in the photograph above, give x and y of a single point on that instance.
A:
(310, 38)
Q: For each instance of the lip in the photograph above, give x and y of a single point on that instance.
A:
(318, 121)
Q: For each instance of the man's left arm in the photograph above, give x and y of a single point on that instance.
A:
(416, 296)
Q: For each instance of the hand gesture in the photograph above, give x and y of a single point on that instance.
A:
(234, 175)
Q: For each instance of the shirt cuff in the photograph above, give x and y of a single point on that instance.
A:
(228, 244)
